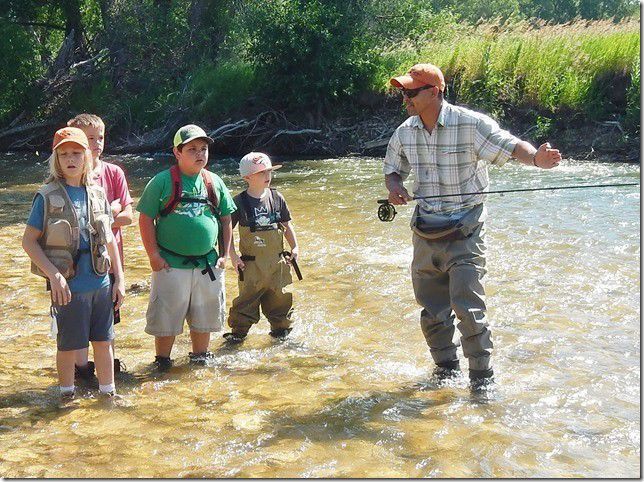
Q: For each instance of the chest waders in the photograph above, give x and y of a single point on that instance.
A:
(213, 203)
(265, 276)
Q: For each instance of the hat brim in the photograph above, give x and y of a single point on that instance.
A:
(63, 141)
(406, 82)
(209, 140)
(272, 168)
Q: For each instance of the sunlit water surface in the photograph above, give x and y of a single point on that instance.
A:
(350, 393)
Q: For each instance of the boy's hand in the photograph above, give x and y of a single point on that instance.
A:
(158, 263)
(221, 262)
(237, 262)
(294, 254)
(116, 207)
(118, 293)
(60, 292)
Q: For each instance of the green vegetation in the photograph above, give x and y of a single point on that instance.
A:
(550, 68)
(147, 63)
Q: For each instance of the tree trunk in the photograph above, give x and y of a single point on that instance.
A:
(73, 23)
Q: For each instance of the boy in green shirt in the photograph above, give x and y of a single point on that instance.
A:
(185, 226)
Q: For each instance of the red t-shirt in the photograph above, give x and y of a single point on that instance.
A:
(112, 179)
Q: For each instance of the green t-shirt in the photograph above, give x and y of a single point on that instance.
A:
(191, 229)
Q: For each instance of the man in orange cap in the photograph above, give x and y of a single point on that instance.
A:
(448, 147)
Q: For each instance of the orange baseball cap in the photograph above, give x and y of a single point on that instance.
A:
(420, 75)
(70, 134)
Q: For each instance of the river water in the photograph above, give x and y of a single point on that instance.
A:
(350, 393)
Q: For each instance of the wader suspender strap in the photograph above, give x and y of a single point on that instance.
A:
(250, 217)
(244, 258)
(194, 261)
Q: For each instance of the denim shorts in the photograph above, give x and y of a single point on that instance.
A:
(87, 317)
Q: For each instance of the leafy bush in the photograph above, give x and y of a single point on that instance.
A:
(308, 51)
(214, 90)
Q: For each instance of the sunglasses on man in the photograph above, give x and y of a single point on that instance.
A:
(410, 93)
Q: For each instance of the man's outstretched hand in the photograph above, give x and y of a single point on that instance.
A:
(546, 157)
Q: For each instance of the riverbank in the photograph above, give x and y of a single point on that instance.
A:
(574, 84)
(277, 134)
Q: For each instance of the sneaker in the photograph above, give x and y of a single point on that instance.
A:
(66, 396)
(162, 363)
(280, 333)
(119, 366)
(447, 370)
(234, 338)
(481, 379)
(200, 358)
(86, 372)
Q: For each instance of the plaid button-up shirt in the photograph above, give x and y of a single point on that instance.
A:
(450, 160)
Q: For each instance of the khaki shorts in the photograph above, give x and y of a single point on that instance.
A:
(185, 294)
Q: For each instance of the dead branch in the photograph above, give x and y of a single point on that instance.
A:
(295, 133)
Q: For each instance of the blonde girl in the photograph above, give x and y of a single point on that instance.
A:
(69, 240)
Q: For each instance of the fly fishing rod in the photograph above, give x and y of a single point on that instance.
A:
(387, 211)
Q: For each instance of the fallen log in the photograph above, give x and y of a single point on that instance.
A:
(375, 144)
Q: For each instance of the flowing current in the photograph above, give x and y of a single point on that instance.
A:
(350, 393)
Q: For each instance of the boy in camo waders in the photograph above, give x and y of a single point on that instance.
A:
(263, 264)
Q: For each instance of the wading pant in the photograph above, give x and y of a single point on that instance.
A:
(265, 278)
(447, 281)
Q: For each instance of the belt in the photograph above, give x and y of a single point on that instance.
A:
(194, 260)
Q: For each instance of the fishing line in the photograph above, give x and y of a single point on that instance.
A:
(387, 211)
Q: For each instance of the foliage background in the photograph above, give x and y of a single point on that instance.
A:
(150, 65)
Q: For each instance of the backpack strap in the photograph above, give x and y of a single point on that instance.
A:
(213, 202)
(212, 194)
(177, 189)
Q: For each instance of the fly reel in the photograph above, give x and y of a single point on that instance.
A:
(386, 211)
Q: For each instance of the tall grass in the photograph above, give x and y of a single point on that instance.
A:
(547, 67)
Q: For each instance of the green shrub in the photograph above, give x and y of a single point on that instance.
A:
(308, 51)
(214, 90)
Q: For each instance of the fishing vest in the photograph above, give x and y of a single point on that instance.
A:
(60, 238)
